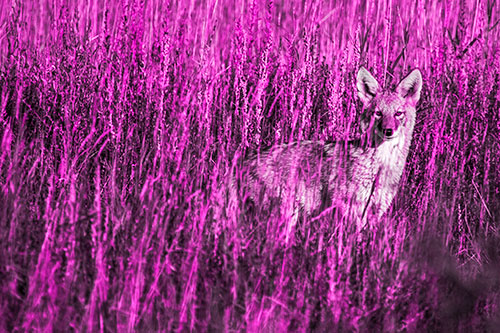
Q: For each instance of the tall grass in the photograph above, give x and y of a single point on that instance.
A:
(120, 121)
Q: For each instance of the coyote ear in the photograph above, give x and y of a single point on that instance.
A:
(367, 86)
(410, 87)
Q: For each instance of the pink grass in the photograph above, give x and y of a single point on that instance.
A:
(119, 122)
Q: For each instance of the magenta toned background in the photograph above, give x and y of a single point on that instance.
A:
(119, 122)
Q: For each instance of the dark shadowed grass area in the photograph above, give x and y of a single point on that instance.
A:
(120, 122)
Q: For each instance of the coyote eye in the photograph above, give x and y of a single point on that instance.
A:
(399, 114)
(378, 114)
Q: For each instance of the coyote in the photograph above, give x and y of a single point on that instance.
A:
(356, 179)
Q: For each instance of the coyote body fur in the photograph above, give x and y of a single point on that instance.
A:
(358, 178)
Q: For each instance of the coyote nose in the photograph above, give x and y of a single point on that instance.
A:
(388, 132)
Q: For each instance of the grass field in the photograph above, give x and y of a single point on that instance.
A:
(119, 124)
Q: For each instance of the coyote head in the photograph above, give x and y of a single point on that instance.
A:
(388, 113)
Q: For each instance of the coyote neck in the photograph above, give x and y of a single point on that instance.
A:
(372, 169)
(386, 158)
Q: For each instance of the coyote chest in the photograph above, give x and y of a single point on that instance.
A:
(373, 176)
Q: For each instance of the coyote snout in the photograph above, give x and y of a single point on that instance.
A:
(358, 179)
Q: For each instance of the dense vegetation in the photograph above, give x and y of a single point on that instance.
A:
(119, 124)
